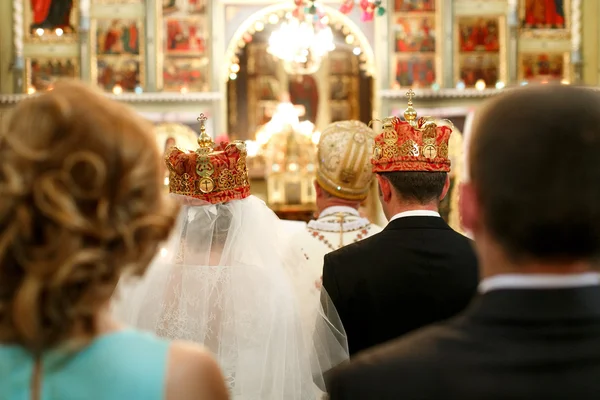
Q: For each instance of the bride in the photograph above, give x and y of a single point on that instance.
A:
(226, 279)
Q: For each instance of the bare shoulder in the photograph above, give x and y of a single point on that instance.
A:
(193, 374)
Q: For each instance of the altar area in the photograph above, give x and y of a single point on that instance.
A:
(174, 59)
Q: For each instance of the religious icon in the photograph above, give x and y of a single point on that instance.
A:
(49, 15)
(118, 36)
(123, 72)
(542, 67)
(185, 74)
(479, 34)
(543, 14)
(415, 71)
(415, 34)
(473, 68)
(43, 73)
(414, 5)
(184, 6)
(185, 36)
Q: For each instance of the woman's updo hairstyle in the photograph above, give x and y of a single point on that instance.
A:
(81, 202)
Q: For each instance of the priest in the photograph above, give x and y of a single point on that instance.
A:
(417, 270)
(343, 181)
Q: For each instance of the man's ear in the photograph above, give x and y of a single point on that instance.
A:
(446, 188)
(385, 188)
(468, 204)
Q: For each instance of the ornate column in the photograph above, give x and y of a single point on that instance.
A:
(512, 52)
(18, 65)
(219, 61)
(84, 40)
(151, 61)
(448, 44)
(576, 58)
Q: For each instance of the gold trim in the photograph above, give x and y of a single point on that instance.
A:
(502, 52)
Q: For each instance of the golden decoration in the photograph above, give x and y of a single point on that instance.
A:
(429, 151)
(206, 185)
(410, 114)
(226, 180)
(443, 150)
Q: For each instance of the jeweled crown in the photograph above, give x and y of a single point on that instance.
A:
(415, 144)
(216, 174)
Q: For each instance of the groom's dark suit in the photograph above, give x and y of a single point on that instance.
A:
(415, 272)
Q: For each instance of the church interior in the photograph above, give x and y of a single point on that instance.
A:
(276, 73)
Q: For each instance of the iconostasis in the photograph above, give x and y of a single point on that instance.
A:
(157, 53)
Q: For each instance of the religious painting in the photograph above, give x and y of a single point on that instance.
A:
(184, 6)
(544, 14)
(480, 34)
(340, 87)
(342, 63)
(415, 34)
(340, 111)
(543, 67)
(415, 71)
(118, 71)
(185, 74)
(260, 61)
(118, 36)
(51, 19)
(185, 36)
(414, 5)
(42, 73)
(475, 67)
(480, 43)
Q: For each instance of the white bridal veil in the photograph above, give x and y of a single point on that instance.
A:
(227, 279)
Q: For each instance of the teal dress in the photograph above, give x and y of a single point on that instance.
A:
(123, 365)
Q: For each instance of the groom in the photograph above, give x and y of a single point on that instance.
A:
(417, 270)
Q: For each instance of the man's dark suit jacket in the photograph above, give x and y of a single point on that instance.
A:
(509, 344)
(415, 272)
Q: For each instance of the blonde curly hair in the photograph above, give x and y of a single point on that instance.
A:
(82, 203)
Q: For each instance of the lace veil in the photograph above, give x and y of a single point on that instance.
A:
(227, 279)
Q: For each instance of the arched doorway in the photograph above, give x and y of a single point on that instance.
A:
(343, 87)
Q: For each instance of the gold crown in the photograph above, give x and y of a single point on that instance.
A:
(415, 144)
(216, 174)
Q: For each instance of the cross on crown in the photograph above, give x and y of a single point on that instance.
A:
(204, 140)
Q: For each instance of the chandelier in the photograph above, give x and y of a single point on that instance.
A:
(302, 43)
(305, 38)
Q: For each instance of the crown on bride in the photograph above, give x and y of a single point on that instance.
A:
(411, 145)
(216, 174)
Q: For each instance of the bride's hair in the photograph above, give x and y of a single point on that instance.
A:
(81, 202)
